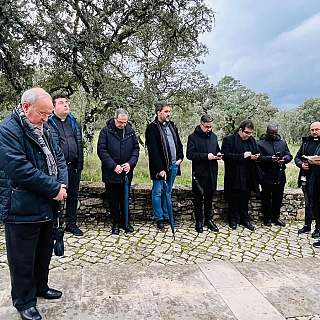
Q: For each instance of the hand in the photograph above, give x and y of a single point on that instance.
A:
(247, 154)
(305, 166)
(281, 161)
(62, 193)
(275, 158)
(126, 167)
(162, 174)
(255, 156)
(118, 169)
(178, 162)
(316, 162)
(211, 156)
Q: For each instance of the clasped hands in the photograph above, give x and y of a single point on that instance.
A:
(211, 156)
(62, 193)
(123, 167)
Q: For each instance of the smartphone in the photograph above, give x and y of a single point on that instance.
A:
(277, 154)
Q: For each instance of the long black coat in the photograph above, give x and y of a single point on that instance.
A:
(273, 172)
(206, 171)
(234, 164)
(113, 151)
(157, 158)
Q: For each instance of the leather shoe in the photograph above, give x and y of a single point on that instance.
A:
(30, 314)
(115, 228)
(74, 230)
(199, 226)
(160, 225)
(211, 225)
(316, 244)
(267, 223)
(315, 233)
(233, 225)
(304, 229)
(280, 223)
(247, 224)
(129, 229)
(50, 294)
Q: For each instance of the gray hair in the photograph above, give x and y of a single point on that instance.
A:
(121, 111)
(159, 106)
(206, 118)
(33, 94)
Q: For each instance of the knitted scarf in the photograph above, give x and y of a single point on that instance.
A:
(38, 133)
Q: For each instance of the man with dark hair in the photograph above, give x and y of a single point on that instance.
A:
(67, 132)
(240, 154)
(33, 178)
(308, 179)
(274, 156)
(204, 152)
(118, 150)
(165, 156)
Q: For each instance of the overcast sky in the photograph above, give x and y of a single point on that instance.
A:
(271, 46)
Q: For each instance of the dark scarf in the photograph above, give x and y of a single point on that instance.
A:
(164, 141)
(37, 132)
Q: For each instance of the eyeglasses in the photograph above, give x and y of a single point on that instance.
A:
(43, 115)
(121, 122)
(207, 127)
(249, 133)
(61, 103)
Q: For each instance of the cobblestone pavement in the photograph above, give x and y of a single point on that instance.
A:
(147, 246)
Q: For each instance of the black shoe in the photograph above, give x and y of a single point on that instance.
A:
(233, 225)
(199, 226)
(315, 233)
(30, 314)
(72, 228)
(304, 229)
(316, 244)
(129, 229)
(50, 294)
(211, 225)
(247, 224)
(267, 223)
(280, 223)
(115, 228)
(160, 225)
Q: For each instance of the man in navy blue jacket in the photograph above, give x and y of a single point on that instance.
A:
(33, 178)
(274, 155)
(118, 150)
(67, 133)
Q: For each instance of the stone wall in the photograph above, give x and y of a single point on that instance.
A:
(93, 207)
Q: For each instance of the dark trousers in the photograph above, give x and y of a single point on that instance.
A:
(308, 203)
(115, 196)
(29, 251)
(238, 202)
(203, 202)
(271, 199)
(74, 177)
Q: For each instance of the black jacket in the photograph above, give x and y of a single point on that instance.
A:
(76, 127)
(26, 189)
(313, 169)
(206, 171)
(273, 172)
(235, 177)
(157, 157)
(113, 151)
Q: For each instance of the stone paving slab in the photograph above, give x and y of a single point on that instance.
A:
(148, 275)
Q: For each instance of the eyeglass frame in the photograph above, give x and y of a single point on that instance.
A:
(248, 133)
(207, 127)
(62, 103)
(43, 115)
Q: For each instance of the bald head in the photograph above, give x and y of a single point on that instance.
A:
(31, 95)
(315, 129)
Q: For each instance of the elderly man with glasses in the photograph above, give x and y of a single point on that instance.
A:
(67, 132)
(242, 174)
(275, 155)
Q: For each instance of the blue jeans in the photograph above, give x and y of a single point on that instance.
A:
(158, 194)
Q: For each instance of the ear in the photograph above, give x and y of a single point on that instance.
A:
(26, 106)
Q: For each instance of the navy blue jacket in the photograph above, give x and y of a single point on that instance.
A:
(76, 126)
(113, 151)
(273, 172)
(26, 189)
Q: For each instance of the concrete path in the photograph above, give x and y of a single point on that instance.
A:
(270, 273)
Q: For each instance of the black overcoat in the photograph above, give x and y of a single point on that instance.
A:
(234, 164)
(206, 171)
(273, 172)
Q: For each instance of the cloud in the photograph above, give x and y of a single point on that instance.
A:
(267, 50)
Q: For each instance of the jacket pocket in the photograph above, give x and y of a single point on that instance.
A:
(26, 204)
